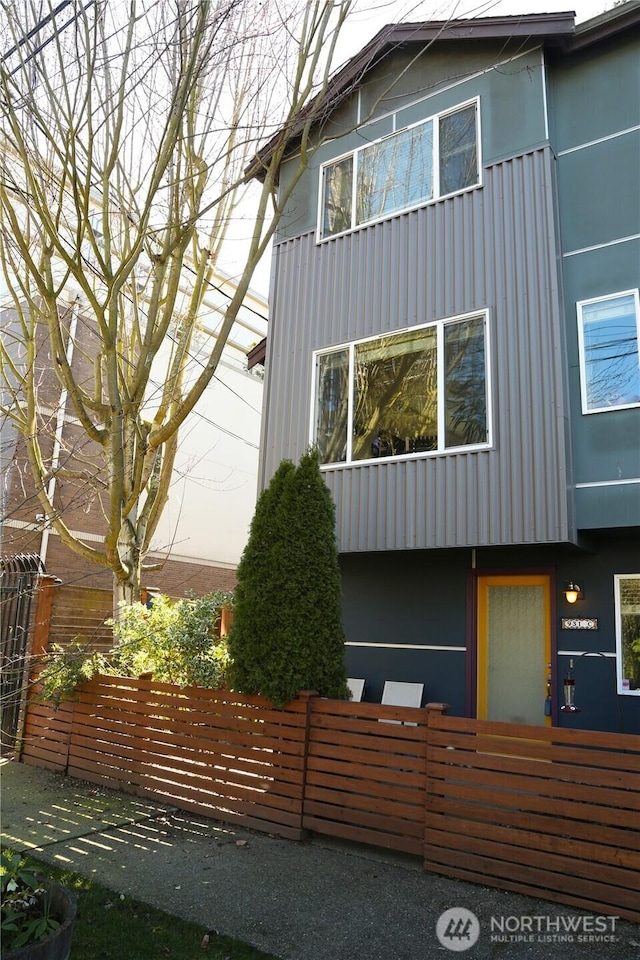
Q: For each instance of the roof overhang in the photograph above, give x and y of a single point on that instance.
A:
(552, 29)
(257, 354)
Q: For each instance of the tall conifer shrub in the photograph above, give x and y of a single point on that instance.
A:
(287, 631)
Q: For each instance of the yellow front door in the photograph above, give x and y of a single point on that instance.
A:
(514, 648)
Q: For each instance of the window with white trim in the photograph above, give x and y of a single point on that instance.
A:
(608, 337)
(627, 600)
(413, 392)
(427, 161)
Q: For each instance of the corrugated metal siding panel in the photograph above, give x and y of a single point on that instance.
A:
(494, 247)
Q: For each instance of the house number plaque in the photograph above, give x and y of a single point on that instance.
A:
(579, 623)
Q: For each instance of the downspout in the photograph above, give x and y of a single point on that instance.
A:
(57, 441)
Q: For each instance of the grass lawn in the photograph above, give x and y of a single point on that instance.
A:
(109, 928)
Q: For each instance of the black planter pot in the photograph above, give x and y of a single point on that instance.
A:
(57, 946)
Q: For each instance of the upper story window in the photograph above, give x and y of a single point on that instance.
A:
(627, 599)
(427, 161)
(608, 336)
(421, 390)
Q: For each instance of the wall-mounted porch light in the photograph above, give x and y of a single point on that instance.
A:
(572, 592)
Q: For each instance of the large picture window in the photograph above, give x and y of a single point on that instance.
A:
(608, 334)
(627, 596)
(417, 391)
(429, 160)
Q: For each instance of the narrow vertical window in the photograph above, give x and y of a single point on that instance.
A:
(609, 359)
(628, 632)
(332, 406)
(465, 388)
(337, 199)
(458, 153)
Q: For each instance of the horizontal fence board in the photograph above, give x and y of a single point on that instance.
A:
(227, 816)
(361, 771)
(165, 741)
(373, 758)
(138, 766)
(545, 825)
(327, 738)
(175, 713)
(535, 879)
(227, 701)
(516, 786)
(499, 800)
(497, 845)
(52, 736)
(357, 802)
(507, 883)
(49, 761)
(373, 821)
(357, 834)
(137, 754)
(268, 769)
(592, 738)
(275, 817)
(376, 727)
(603, 758)
(368, 788)
(515, 764)
(283, 753)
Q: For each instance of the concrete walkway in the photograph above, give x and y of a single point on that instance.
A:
(299, 901)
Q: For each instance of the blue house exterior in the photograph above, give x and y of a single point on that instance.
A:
(455, 323)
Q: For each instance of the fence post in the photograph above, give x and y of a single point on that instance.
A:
(42, 619)
(434, 710)
(306, 696)
(37, 646)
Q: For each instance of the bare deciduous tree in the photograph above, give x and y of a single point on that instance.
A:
(127, 137)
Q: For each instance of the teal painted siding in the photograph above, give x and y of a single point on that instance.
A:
(600, 192)
(512, 119)
(596, 95)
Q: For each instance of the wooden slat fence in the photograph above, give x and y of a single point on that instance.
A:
(539, 810)
(542, 811)
(207, 751)
(366, 773)
(46, 733)
(79, 613)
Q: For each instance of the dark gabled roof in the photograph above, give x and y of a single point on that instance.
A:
(257, 354)
(626, 16)
(552, 28)
(557, 31)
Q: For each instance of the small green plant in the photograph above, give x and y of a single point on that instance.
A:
(175, 642)
(67, 667)
(25, 912)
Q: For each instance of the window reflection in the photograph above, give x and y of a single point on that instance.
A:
(396, 399)
(396, 172)
(458, 154)
(610, 346)
(416, 391)
(332, 406)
